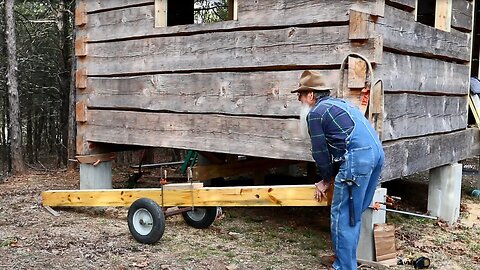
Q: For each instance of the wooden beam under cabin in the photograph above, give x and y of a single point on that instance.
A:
(289, 195)
(206, 172)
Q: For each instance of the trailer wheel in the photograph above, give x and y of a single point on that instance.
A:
(146, 221)
(200, 217)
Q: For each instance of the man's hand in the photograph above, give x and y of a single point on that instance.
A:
(321, 190)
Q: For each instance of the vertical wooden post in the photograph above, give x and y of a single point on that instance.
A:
(233, 10)
(161, 7)
(443, 15)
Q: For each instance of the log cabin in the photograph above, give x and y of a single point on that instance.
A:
(215, 76)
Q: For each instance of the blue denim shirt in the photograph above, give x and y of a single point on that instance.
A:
(329, 127)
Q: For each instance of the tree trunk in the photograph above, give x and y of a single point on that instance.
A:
(72, 124)
(15, 134)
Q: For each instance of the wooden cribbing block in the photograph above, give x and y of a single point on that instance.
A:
(81, 47)
(81, 111)
(360, 27)
(81, 79)
(384, 235)
(288, 195)
(81, 14)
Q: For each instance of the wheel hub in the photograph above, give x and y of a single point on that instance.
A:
(143, 221)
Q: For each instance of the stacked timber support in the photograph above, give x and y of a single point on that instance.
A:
(224, 87)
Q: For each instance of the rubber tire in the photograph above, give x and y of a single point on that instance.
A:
(158, 218)
(205, 221)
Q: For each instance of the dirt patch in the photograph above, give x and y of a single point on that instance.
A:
(243, 238)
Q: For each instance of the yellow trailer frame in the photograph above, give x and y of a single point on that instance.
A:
(199, 205)
(188, 195)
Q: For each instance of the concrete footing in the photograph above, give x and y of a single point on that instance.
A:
(98, 176)
(366, 244)
(444, 192)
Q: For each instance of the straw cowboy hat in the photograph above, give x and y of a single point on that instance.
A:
(311, 81)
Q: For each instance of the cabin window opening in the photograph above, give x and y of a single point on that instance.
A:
(426, 12)
(435, 13)
(181, 12)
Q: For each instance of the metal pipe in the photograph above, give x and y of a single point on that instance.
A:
(406, 213)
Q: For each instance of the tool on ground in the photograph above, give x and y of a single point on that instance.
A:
(350, 184)
(391, 201)
(419, 263)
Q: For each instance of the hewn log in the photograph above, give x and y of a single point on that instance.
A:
(139, 21)
(251, 136)
(462, 14)
(409, 73)
(252, 93)
(105, 5)
(412, 37)
(408, 5)
(408, 115)
(405, 157)
(271, 49)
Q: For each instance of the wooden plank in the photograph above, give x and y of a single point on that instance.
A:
(443, 15)
(361, 27)
(104, 5)
(267, 49)
(160, 13)
(91, 159)
(462, 15)
(408, 156)
(206, 172)
(408, 5)
(252, 93)
(357, 72)
(384, 237)
(293, 195)
(474, 106)
(409, 115)
(408, 36)
(138, 21)
(411, 73)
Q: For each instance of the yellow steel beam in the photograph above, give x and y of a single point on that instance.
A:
(292, 195)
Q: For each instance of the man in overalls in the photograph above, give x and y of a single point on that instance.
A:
(348, 155)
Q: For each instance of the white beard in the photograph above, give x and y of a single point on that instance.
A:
(303, 121)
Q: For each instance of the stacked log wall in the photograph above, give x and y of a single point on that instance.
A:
(426, 75)
(225, 87)
(230, 81)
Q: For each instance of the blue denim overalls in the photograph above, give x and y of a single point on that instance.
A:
(362, 165)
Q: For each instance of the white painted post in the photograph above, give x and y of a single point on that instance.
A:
(444, 192)
(96, 177)
(366, 243)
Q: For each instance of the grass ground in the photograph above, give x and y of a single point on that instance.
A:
(243, 238)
